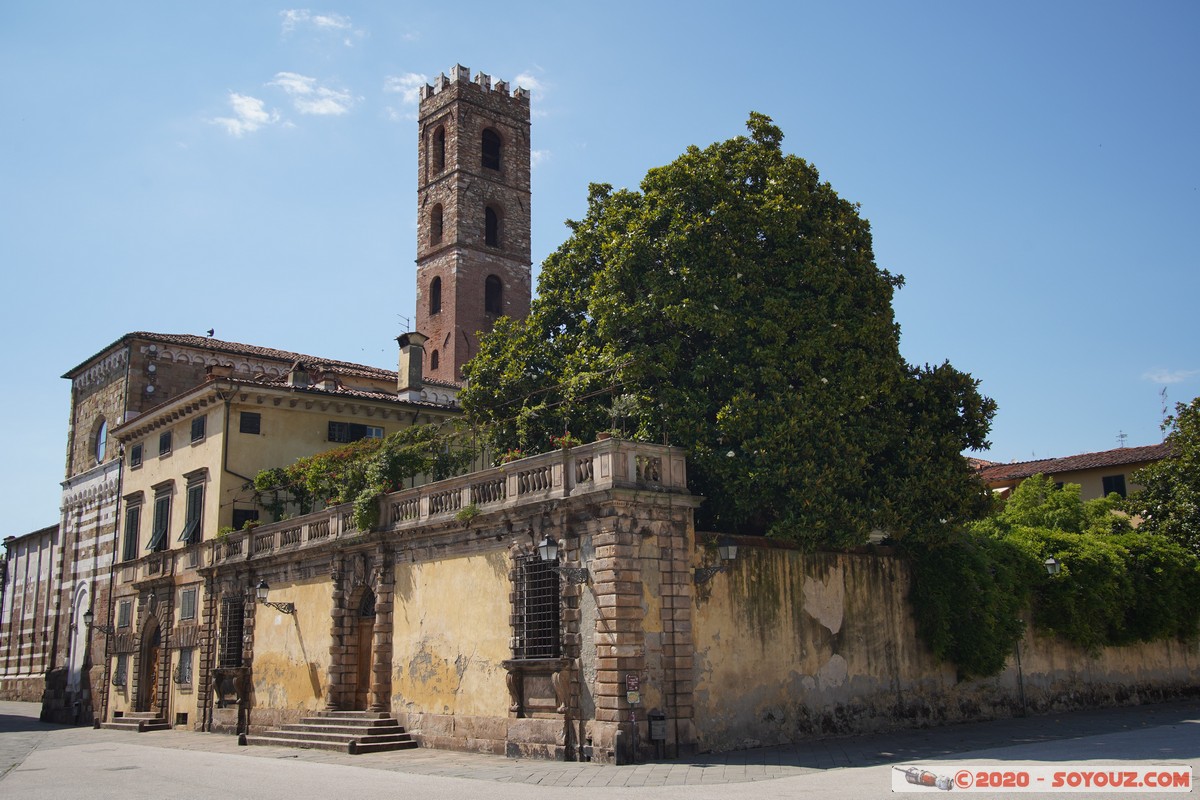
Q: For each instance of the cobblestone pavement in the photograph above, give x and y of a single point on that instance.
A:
(21, 733)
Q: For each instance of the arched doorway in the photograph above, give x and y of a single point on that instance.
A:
(77, 658)
(365, 636)
(148, 679)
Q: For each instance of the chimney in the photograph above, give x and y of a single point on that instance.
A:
(412, 356)
(298, 375)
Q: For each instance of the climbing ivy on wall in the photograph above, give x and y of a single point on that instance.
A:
(1116, 586)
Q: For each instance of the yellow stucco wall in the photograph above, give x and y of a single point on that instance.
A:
(790, 645)
(451, 631)
(291, 651)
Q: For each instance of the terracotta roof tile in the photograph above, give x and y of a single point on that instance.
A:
(237, 348)
(1054, 466)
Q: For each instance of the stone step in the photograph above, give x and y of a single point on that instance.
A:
(349, 745)
(349, 722)
(346, 732)
(142, 723)
(353, 715)
(342, 731)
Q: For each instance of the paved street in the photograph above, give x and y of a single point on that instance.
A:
(47, 761)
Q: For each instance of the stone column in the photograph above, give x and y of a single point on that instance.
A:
(333, 689)
(381, 635)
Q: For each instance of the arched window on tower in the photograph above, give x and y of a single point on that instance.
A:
(491, 149)
(493, 295)
(491, 227)
(435, 296)
(435, 225)
(439, 149)
(433, 360)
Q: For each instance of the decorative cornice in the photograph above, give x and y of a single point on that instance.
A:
(102, 372)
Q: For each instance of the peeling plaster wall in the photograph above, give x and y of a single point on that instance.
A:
(790, 645)
(291, 651)
(450, 635)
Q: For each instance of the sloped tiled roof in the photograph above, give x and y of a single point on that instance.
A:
(239, 349)
(1056, 466)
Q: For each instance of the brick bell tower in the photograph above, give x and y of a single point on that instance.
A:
(473, 251)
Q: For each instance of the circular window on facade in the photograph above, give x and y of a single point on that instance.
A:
(101, 440)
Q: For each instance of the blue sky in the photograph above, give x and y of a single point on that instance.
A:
(1030, 168)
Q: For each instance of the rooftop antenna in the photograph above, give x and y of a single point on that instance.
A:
(1162, 394)
(407, 321)
(1122, 437)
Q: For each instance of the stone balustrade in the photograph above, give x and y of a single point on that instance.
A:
(597, 467)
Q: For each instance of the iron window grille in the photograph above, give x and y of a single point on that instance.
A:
(183, 670)
(233, 610)
(537, 616)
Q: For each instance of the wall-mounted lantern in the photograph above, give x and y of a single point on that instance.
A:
(548, 553)
(89, 617)
(727, 551)
(1053, 566)
(260, 592)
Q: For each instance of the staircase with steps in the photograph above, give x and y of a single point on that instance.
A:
(345, 731)
(138, 722)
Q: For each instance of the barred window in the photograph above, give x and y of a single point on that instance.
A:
(250, 422)
(183, 671)
(121, 673)
(233, 610)
(536, 609)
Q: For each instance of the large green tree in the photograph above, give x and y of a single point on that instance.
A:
(734, 302)
(1169, 503)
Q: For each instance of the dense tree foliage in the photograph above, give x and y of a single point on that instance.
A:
(1117, 584)
(733, 305)
(1169, 503)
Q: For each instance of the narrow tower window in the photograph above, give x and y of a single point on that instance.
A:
(435, 225)
(493, 295)
(435, 296)
(433, 360)
(491, 149)
(439, 149)
(491, 227)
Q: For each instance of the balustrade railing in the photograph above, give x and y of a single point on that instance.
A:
(612, 463)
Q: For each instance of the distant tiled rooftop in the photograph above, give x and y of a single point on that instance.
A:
(1055, 466)
(237, 348)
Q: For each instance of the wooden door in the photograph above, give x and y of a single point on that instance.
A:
(151, 651)
(366, 651)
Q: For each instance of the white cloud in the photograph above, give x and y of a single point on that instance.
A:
(322, 23)
(1168, 376)
(528, 81)
(310, 98)
(536, 157)
(408, 86)
(250, 114)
